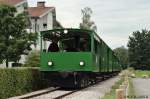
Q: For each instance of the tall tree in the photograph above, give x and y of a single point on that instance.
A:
(86, 19)
(14, 40)
(139, 49)
(122, 54)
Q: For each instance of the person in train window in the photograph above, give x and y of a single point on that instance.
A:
(83, 45)
(53, 47)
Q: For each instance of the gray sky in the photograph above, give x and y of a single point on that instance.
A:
(115, 19)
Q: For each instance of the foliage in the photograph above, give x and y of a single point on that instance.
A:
(19, 81)
(122, 54)
(14, 40)
(86, 19)
(33, 59)
(139, 49)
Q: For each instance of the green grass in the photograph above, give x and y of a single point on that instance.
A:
(140, 73)
(112, 94)
(131, 92)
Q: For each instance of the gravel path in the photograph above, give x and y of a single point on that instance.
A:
(142, 88)
(94, 92)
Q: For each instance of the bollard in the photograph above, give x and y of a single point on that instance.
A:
(120, 94)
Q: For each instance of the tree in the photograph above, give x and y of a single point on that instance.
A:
(139, 49)
(33, 59)
(86, 19)
(122, 54)
(14, 39)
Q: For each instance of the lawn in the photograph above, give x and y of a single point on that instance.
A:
(140, 73)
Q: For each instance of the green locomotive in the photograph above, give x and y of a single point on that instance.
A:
(76, 57)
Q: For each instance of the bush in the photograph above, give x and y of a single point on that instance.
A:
(18, 81)
(33, 59)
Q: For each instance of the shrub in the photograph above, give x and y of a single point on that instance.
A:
(18, 81)
(33, 59)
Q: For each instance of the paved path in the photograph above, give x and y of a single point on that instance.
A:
(142, 88)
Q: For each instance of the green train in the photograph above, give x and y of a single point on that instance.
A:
(76, 57)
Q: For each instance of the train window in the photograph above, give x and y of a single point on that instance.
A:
(95, 46)
(76, 44)
(68, 42)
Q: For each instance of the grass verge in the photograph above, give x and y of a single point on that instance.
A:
(112, 94)
(140, 73)
(131, 92)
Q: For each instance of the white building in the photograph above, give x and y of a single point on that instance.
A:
(42, 18)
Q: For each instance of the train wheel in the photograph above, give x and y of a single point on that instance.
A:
(87, 81)
(82, 83)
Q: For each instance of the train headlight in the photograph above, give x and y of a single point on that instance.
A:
(82, 63)
(50, 63)
(65, 31)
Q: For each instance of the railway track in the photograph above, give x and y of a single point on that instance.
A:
(74, 91)
(55, 94)
(35, 94)
(64, 95)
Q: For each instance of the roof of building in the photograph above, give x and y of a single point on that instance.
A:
(11, 2)
(38, 11)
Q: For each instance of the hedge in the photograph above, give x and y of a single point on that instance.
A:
(16, 81)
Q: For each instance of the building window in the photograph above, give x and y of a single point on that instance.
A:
(44, 25)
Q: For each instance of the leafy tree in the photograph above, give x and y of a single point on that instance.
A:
(122, 54)
(139, 49)
(33, 59)
(14, 40)
(86, 19)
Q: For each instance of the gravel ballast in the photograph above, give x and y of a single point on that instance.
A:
(94, 92)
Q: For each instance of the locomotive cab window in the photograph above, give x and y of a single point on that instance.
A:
(66, 41)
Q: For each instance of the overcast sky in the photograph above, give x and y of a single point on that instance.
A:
(115, 19)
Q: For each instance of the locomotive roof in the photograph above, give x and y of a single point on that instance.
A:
(70, 29)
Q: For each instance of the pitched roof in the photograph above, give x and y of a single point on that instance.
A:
(11, 2)
(38, 11)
